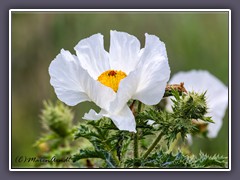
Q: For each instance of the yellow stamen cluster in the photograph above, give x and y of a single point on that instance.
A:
(111, 78)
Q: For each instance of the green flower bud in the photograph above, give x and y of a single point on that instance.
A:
(57, 118)
(191, 106)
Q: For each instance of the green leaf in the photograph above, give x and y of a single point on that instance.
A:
(162, 159)
(85, 153)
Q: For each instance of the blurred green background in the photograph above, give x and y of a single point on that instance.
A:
(194, 40)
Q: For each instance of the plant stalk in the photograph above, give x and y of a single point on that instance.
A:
(135, 138)
(155, 142)
(135, 142)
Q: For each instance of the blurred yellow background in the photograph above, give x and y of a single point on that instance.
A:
(194, 40)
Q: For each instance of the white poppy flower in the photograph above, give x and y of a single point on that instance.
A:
(217, 95)
(111, 79)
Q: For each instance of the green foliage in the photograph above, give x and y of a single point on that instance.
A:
(108, 142)
(162, 159)
(98, 153)
(190, 106)
(54, 145)
(185, 108)
(168, 124)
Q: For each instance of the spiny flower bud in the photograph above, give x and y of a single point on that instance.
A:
(191, 106)
(57, 118)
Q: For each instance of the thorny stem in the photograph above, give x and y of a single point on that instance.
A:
(113, 156)
(139, 106)
(155, 142)
(180, 88)
(136, 145)
(136, 155)
(135, 138)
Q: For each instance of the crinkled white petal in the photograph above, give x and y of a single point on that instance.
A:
(127, 88)
(217, 109)
(154, 49)
(92, 55)
(124, 120)
(217, 95)
(65, 72)
(92, 115)
(100, 94)
(148, 81)
(124, 51)
(153, 72)
(73, 84)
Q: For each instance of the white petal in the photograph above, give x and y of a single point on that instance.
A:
(127, 88)
(73, 84)
(124, 120)
(92, 115)
(154, 49)
(169, 104)
(217, 94)
(65, 72)
(217, 111)
(124, 51)
(148, 81)
(153, 72)
(213, 128)
(92, 55)
(101, 95)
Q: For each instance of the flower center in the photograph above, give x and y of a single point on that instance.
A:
(111, 78)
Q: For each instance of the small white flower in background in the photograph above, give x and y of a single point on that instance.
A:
(150, 122)
(216, 95)
(111, 79)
